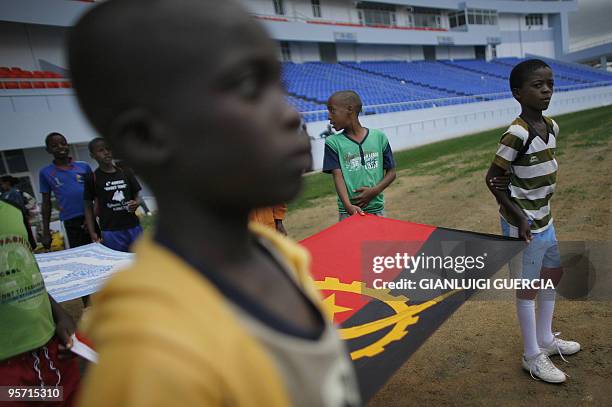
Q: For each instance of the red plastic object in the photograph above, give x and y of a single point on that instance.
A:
(52, 84)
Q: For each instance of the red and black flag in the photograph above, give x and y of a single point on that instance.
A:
(390, 284)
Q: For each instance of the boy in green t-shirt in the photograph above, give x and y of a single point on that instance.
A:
(359, 159)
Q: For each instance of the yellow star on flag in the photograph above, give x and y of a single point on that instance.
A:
(330, 306)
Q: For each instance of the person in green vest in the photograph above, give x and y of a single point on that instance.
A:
(35, 329)
(359, 159)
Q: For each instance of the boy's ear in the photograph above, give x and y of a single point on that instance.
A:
(139, 137)
(516, 93)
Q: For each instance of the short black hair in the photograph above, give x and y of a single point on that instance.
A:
(53, 134)
(93, 143)
(10, 179)
(522, 70)
(349, 97)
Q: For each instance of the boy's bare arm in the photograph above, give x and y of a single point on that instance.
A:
(89, 221)
(134, 203)
(366, 194)
(46, 218)
(504, 199)
(64, 324)
(343, 193)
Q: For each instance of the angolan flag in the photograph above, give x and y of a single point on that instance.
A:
(383, 326)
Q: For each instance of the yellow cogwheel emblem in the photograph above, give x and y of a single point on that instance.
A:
(404, 314)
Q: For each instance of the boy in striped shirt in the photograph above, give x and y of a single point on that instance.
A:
(527, 151)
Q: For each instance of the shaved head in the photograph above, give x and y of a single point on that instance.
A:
(126, 54)
(175, 85)
(348, 98)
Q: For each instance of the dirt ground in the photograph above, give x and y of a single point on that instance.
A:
(474, 358)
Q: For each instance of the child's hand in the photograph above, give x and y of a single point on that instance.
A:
(280, 228)
(133, 205)
(500, 182)
(95, 238)
(366, 194)
(64, 328)
(353, 209)
(525, 230)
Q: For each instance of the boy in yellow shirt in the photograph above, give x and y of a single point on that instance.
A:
(213, 311)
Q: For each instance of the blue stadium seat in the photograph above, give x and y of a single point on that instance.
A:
(441, 83)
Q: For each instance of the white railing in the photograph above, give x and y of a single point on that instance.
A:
(298, 17)
(411, 129)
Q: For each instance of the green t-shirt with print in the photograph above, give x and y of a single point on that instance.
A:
(362, 164)
(26, 321)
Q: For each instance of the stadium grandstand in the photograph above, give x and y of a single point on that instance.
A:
(393, 86)
(425, 69)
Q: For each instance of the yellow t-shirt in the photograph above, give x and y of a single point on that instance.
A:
(167, 337)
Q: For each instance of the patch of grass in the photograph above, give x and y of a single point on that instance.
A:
(589, 144)
(459, 173)
(441, 158)
(573, 190)
(316, 186)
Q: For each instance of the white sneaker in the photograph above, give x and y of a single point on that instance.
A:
(542, 368)
(560, 347)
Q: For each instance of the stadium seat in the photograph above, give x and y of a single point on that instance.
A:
(431, 83)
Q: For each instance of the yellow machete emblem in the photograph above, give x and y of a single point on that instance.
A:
(404, 314)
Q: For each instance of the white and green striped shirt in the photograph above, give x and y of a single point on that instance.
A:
(533, 176)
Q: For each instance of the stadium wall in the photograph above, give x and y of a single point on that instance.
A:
(443, 52)
(24, 45)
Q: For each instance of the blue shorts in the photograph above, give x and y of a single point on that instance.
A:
(543, 251)
(120, 240)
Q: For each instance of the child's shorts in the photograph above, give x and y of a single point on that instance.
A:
(42, 366)
(543, 251)
(121, 240)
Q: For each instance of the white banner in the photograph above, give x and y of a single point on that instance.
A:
(73, 273)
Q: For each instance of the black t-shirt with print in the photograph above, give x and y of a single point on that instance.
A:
(112, 191)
